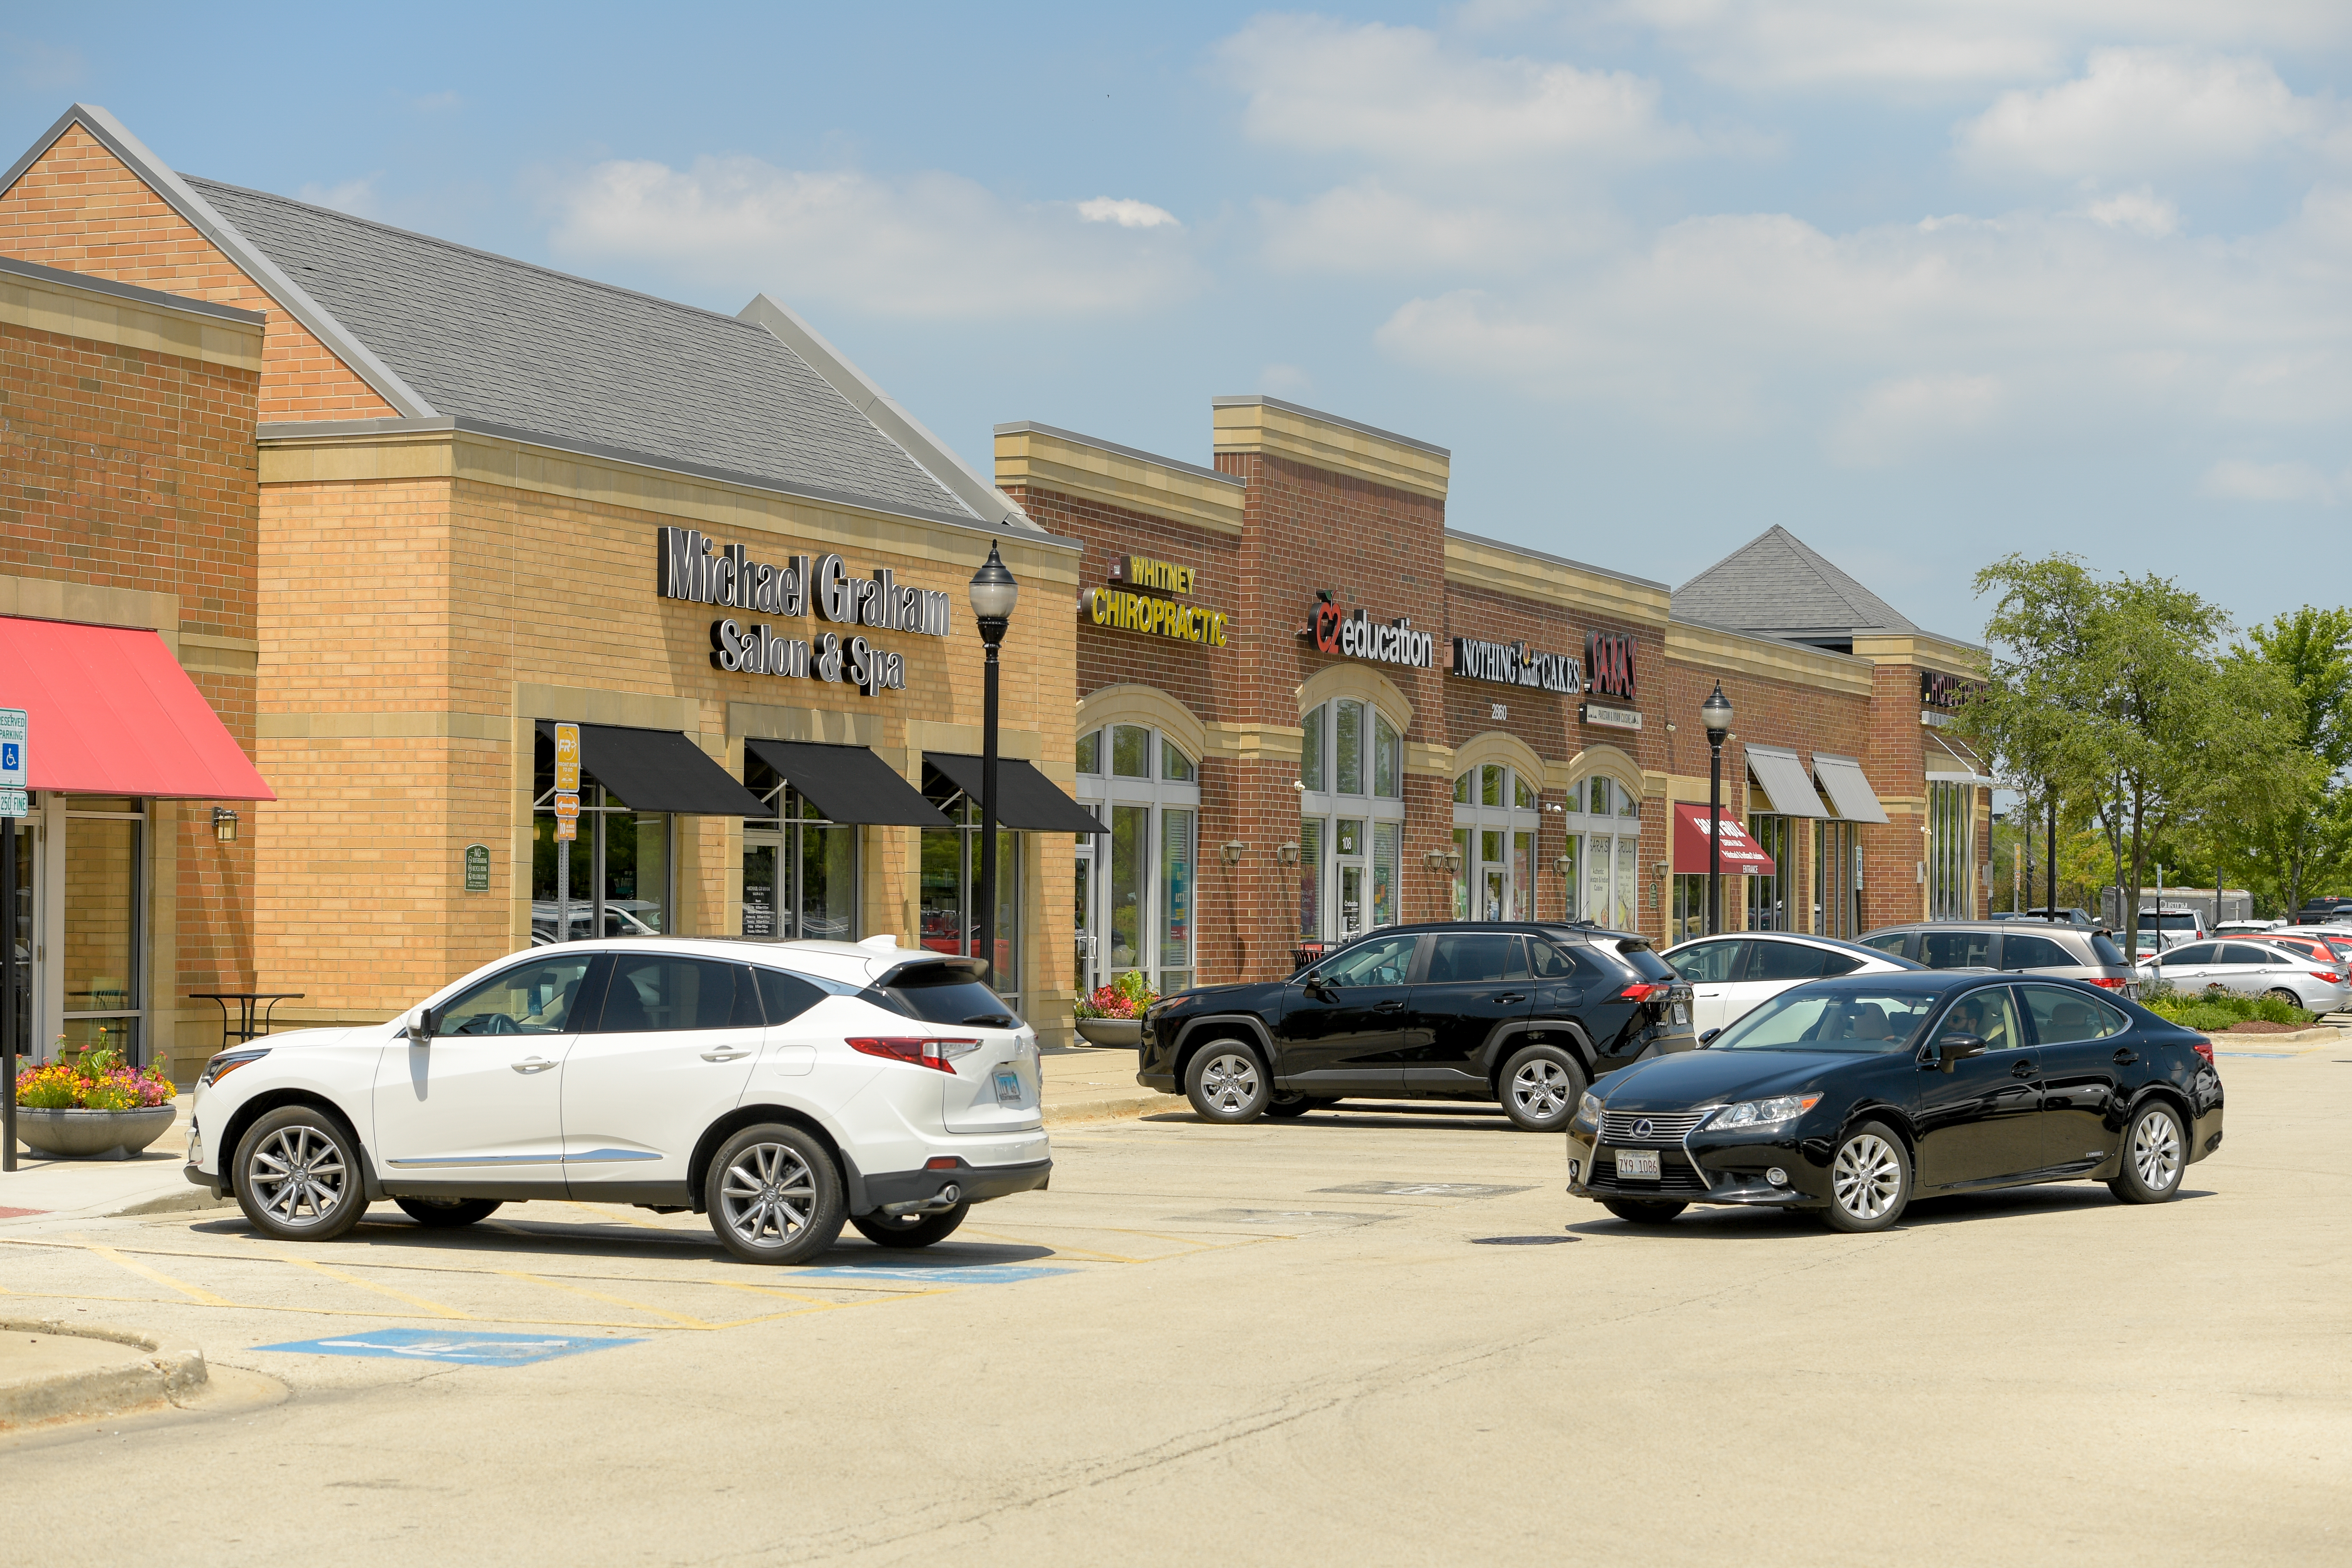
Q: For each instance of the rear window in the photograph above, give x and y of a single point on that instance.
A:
(2105, 950)
(1644, 962)
(945, 995)
(2019, 951)
(1891, 942)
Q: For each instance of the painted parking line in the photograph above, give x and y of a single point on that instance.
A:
(441, 1345)
(941, 1274)
(1425, 1189)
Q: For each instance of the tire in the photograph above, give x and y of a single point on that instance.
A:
(910, 1230)
(2281, 993)
(1227, 1084)
(773, 1194)
(441, 1214)
(1638, 1211)
(1541, 1087)
(1869, 1181)
(2155, 1157)
(1290, 1105)
(297, 1172)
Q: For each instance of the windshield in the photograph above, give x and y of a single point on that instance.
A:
(1861, 1022)
(2149, 920)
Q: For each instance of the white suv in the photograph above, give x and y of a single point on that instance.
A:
(781, 1087)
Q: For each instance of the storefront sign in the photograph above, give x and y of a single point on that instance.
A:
(1154, 617)
(1142, 572)
(1516, 664)
(689, 568)
(1945, 692)
(1358, 636)
(1609, 665)
(477, 868)
(1610, 718)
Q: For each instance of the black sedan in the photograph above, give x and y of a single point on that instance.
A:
(1854, 1095)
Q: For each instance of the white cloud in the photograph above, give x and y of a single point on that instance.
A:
(1283, 380)
(931, 246)
(2141, 212)
(2136, 112)
(356, 197)
(1370, 228)
(1898, 419)
(1401, 95)
(1125, 212)
(2235, 479)
(1942, 46)
(446, 101)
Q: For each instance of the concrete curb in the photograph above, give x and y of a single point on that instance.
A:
(154, 1368)
(1113, 1107)
(2323, 1034)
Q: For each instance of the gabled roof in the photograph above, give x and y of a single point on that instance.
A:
(1777, 586)
(443, 331)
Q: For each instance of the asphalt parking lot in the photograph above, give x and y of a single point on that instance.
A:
(1386, 1336)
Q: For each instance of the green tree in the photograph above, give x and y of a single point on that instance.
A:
(2298, 839)
(2115, 694)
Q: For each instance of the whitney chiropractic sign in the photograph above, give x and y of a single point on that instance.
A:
(689, 567)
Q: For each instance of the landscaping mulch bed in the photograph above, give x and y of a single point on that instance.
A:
(2264, 1026)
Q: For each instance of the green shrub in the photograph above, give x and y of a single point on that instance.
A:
(2203, 1019)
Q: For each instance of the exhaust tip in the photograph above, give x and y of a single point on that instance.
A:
(950, 1194)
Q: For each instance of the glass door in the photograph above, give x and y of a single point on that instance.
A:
(1083, 923)
(1348, 854)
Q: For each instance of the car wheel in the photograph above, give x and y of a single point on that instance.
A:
(2281, 993)
(442, 1213)
(297, 1176)
(773, 1195)
(1636, 1211)
(909, 1229)
(1227, 1083)
(1869, 1181)
(1541, 1085)
(1290, 1105)
(2155, 1158)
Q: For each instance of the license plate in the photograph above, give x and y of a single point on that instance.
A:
(1681, 1014)
(1008, 1087)
(1637, 1164)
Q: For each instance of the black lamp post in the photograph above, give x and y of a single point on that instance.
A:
(993, 594)
(1716, 713)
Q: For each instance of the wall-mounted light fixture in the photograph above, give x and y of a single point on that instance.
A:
(1453, 860)
(1287, 854)
(1299, 784)
(1233, 853)
(1435, 859)
(225, 825)
(1564, 863)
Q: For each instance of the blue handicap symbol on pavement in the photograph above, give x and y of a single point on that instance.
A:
(437, 1344)
(942, 1274)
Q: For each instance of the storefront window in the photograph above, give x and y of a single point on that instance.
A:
(636, 858)
(102, 937)
(1951, 849)
(1310, 748)
(1310, 877)
(1466, 867)
(1387, 840)
(1768, 906)
(949, 891)
(1388, 759)
(1523, 875)
(1690, 907)
(799, 875)
(1571, 886)
(1606, 844)
(1090, 753)
(1360, 884)
(1349, 748)
(1837, 880)
(1496, 821)
(1139, 882)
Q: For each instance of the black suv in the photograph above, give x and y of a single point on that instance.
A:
(1522, 1013)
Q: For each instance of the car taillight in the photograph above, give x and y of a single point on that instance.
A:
(2327, 974)
(940, 1054)
(1643, 989)
(2204, 1047)
(2105, 984)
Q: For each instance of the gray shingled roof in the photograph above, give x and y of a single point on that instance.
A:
(503, 342)
(1777, 585)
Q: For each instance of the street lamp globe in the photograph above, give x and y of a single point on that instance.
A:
(993, 594)
(1716, 713)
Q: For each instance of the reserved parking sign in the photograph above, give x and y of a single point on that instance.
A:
(15, 726)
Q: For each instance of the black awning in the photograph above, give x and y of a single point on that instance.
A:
(848, 784)
(1027, 799)
(658, 770)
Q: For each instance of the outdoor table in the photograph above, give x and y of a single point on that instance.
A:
(246, 1000)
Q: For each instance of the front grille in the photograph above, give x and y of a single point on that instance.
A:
(1675, 1178)
(1665, 1126)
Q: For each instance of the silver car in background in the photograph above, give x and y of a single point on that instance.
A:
(2254, 969)
(2055, 948)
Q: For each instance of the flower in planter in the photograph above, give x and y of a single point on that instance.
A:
(74, 1086)
(1127, 997)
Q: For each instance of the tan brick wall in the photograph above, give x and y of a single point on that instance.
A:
(80, 208)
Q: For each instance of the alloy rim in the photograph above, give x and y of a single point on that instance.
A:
(298, 1175)
(768, 1195)
(1230, 1082)
(2156, 1151)
(1867, 1176)
(1542, 1089)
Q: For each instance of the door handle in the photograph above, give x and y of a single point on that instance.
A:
(533, 1064)
(724, 1054)
(1391, 1007)
(2023, 1069)
(1512, 996)
(2125, 1059)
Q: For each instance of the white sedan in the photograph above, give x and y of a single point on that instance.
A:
(1731, 974)
(781, 1087)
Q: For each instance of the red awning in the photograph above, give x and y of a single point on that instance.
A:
(1741, 853)
(112, 712)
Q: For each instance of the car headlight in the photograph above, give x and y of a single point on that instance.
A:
(1588, 1112)
(1764, 1112)
(227, 1062)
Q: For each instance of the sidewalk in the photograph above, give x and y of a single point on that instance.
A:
(1090, 1083)
(151, 1184)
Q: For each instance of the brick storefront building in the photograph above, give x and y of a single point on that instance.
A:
(1500, 732)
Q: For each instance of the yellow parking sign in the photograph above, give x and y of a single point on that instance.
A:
(567, 759)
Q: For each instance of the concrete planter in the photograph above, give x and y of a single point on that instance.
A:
(92, 1134)
(1117, 1032)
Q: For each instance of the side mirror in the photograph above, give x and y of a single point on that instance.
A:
(422, 1024)
(1710, 1035)
(1314, 987)
(1953, 1048)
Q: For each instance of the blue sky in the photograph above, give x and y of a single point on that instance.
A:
(1925, 283)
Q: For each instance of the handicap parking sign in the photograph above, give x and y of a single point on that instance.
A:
(15, 735)
(12, 757)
